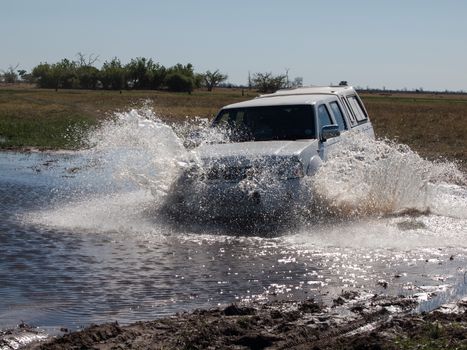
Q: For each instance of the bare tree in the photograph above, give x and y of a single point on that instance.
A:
(86, 61)
(287, 82)
(212, 79)
(266, 82)
(9, 75)
(297, 82)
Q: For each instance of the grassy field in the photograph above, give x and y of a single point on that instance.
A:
(41, 118)
(434, 125)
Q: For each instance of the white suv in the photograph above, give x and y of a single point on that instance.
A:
(276, 140)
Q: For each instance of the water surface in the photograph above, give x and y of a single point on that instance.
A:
(82, 238)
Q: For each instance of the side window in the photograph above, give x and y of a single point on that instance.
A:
(349, 112)
(323, 116)
(336, 110)
(357, 108)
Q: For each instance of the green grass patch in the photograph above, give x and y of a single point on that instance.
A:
(434, 336)
(57, 133)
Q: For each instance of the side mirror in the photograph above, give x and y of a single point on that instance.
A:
(329, 131)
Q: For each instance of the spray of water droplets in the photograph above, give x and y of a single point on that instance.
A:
(365, 176)
(137, 156)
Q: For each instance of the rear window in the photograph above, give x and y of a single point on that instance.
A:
(357, 108)
(266, 123)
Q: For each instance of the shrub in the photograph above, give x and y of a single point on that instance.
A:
(177, 81)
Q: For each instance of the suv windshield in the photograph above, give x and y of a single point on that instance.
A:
(268, 123)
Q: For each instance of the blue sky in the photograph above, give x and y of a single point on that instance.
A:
(393, 44)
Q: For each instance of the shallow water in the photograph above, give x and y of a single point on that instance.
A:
(82, 238)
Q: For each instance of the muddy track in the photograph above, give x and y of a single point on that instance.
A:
(353, 322)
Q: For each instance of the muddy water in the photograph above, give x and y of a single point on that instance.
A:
(83, 238)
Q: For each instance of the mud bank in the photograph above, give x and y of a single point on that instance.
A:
(354, 321)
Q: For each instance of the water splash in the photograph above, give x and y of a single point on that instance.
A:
(135, 162)
(139, 148)
(366, 177)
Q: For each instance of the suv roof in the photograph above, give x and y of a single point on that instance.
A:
(307, 95)
(311, 90)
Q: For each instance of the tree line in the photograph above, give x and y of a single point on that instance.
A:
(144, 73)
(139, 73)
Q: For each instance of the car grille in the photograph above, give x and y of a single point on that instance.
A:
(281, 169)
(228, 173)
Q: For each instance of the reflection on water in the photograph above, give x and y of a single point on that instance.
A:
(77, 246)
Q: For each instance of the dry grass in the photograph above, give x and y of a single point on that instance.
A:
(433, 125)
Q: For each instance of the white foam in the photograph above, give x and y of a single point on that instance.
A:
(124, 212)
(139, 148)
(364, 176)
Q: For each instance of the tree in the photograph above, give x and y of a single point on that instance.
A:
(181, 78)
(113, 75)
(198, 80)
(156, 75)
(183, 69)
(137, 72)
(141, 72)
(88, 77)
(83, 61)
(179, 82)
(64, 74)
(86, 74)
(10, 76)
(213, 79)
(266, 82)
(297, 82)
(42, 73)
(144, 73)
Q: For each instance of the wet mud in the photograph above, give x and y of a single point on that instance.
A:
(354, 321)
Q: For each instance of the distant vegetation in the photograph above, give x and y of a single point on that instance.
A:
(139, 74)
(146, 74)
(267, 82)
